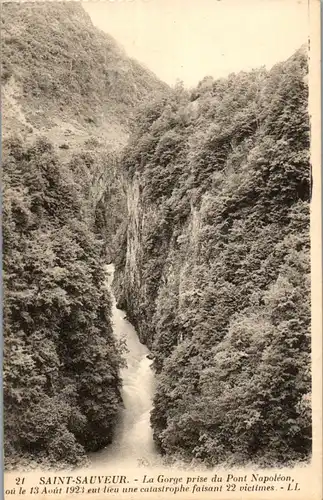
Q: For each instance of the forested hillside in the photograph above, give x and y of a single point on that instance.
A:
(215, 271)
(61, 369)
(69, 95)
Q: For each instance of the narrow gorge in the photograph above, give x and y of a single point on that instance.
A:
(156, 255)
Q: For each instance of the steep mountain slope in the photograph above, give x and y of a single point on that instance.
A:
(216, 272)
(69, 98)
(65, 77)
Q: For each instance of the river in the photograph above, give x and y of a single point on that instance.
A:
(133, 442)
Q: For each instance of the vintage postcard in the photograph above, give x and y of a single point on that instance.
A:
(162, 261)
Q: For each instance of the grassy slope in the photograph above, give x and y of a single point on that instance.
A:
(66, 79)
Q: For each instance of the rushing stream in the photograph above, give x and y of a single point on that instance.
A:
(133, 442)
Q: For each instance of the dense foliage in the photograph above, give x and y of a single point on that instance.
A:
(216, 276)
(61, 370)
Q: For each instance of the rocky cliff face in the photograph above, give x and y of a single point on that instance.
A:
(215, 271)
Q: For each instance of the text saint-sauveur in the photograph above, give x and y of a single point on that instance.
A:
(55, 480)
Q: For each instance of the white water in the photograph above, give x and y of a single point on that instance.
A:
(133, 442)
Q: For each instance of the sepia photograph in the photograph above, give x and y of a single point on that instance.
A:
(159, 199)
